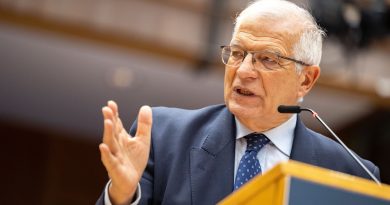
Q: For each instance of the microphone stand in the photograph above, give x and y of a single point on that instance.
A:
(315, 115)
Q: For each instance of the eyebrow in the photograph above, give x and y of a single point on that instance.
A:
(266, 49)
(236, 45)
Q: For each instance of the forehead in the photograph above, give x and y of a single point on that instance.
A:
(256, 32)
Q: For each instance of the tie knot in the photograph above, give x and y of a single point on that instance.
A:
(255, 142)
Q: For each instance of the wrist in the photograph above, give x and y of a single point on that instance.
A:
(118, 197)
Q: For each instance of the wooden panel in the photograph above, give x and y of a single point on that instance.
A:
(44, 167)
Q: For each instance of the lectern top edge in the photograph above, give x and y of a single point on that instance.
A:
(272, 185)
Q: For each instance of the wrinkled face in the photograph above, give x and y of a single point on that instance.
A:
(253, 95)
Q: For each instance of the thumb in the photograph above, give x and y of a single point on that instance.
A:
(144, 127)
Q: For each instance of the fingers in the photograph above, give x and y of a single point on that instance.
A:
(111, 132)
(108, 113)
(114, 107)
(115, 113)
(109, 136)
(115, 136)
(144, 127)
(107, 158)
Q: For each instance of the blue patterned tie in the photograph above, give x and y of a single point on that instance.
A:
(249, 165)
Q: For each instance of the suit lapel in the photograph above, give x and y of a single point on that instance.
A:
(212, 164)
(303, 148)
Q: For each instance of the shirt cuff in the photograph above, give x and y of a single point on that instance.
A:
(137, 195)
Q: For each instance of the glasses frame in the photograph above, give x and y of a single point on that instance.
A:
(253, 52)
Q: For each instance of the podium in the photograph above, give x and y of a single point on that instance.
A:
(296, 183)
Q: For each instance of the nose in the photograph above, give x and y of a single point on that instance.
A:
(247, 70)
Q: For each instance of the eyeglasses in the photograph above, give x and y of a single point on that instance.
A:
(234, 56)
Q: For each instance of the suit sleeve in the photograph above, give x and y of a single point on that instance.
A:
(376, 173)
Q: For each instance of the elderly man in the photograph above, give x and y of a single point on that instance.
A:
(194, 156)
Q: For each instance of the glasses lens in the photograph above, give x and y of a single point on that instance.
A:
(267, 60)
(232, 56)
(225, 55)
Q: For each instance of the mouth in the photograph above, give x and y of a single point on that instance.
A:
(243, 91)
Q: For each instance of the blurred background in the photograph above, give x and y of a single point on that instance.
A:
(61, 60)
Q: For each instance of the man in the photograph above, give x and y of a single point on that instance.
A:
(194, 156)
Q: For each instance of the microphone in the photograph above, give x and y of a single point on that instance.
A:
(289, 109)
(298, 109)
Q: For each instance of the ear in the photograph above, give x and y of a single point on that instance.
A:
(307, 79)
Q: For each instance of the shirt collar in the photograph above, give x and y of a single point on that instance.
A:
(281, 136)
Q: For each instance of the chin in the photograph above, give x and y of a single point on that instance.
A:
(242, 111)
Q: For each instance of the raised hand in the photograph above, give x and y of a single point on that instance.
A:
(124, 156)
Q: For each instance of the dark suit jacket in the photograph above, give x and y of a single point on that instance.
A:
(192, 156)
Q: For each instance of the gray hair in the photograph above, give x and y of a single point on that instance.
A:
(309, 46)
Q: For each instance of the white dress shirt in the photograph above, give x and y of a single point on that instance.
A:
(276, 151)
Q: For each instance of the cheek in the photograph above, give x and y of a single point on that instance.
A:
(228, 81)
(281, 85)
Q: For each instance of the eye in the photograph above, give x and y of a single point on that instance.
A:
(237, 54)
(269, 60)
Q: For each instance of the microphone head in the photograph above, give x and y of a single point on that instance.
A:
(289, 109)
